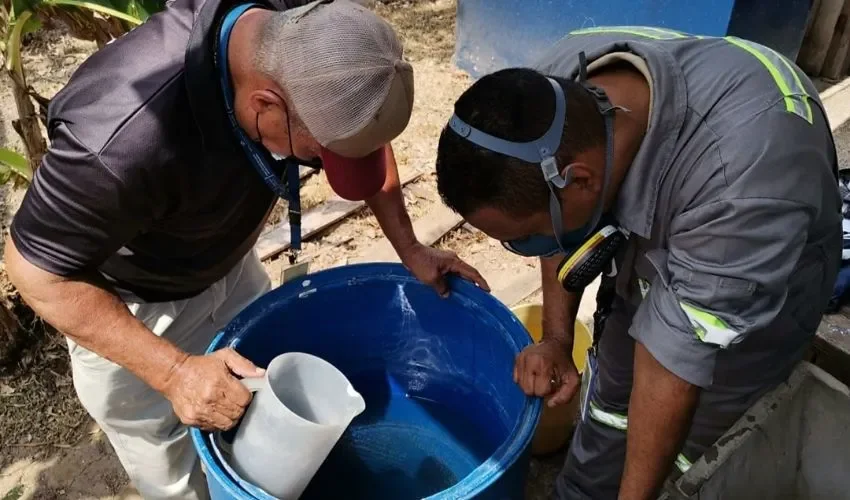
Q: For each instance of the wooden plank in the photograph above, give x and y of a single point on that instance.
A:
(588, 303)
(831, 345)
(836, 102)
(813, 13)
(519, 287)
(835, 330)
(816, 43)
(313, 221)
(428, 229)
(528, 282)
(833, 65)
(845, 67)
(304, 172)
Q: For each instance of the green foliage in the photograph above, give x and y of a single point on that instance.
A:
(15, 493)
(96, 20)
(12, 164)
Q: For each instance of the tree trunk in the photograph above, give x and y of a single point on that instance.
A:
(833, 66)
(816, 43)
(27, 124)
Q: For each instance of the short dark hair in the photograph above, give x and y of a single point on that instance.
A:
(517, 105)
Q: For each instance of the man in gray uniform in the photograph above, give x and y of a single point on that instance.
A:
(706, 168)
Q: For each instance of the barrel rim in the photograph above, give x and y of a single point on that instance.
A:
(482, 476)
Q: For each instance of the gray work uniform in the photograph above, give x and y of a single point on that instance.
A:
(734, 223)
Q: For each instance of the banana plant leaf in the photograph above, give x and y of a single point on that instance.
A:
(14, 162)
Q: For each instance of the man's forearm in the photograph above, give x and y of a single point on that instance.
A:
(389, 210)
(96, 319)
(560, 307)
(660, 411)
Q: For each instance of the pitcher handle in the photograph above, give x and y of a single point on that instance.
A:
(253, 384)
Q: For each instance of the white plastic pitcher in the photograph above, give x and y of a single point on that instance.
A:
(302, 406)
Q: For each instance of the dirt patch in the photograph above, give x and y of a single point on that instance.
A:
(39, 408)
(43, 427)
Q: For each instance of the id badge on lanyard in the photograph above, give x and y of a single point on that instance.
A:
(588, 382)
(290, 190)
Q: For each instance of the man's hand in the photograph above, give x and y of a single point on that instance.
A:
(547, 369)
(204, 392)
(431, 265)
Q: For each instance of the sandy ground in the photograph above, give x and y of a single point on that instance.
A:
(48, 446)
(842, 145)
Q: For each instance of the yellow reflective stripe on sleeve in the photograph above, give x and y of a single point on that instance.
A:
(671, 33)
(615, 420)
(803, 98)
(644, 287)
(794, 94)
(621, 423)
(647, 32)
(682, 463)
(708, 327)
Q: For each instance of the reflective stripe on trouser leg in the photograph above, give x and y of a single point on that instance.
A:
(594, 464)
(615, 420)
(621, 422)
(596, 458)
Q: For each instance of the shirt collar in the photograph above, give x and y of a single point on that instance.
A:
(202, 79)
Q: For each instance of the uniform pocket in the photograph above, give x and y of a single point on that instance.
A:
(588, 382)
(742, 287)
(157, 316)
(658, 258)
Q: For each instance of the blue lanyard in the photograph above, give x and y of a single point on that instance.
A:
(291, 190)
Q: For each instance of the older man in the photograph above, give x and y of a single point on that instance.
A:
(704, 170)
(167, 152)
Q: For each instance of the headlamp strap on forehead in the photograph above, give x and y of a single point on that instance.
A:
(582, 68)
(541, 150)
(606, 109)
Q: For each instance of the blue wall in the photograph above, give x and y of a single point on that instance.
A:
(493, 34)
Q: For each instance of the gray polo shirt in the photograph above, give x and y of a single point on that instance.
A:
(144, 179)
(731, 204)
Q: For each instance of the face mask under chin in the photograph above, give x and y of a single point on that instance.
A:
(314, 163)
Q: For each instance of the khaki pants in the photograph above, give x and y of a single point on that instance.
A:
(153, 446)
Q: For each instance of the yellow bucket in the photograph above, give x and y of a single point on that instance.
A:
(556, 424)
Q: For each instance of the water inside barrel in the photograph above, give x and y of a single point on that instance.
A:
(408, 445)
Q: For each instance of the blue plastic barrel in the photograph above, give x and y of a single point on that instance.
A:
(443, 420)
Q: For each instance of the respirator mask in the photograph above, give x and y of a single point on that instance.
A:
(589, 249)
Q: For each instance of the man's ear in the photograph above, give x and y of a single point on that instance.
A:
(261, 100)
(583, 177)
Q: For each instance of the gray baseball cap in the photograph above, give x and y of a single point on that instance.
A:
(345, 75)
